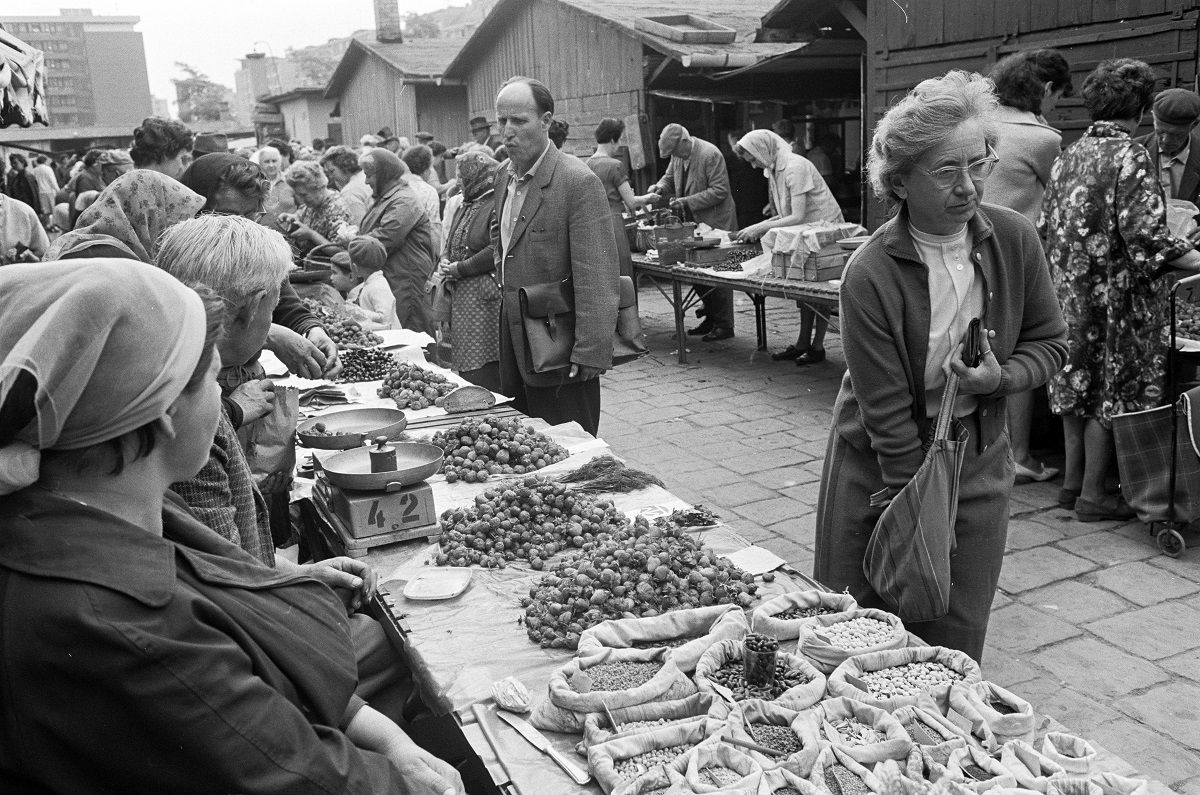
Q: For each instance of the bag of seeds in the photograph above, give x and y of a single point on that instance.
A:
(978, 772)
(1031, 768)
(645, 717)
(827, 641)
(783, 616)
(688, 633)
(1112, 784)
(836, 773)
(900, 677)
(717, 767)
(659, 781)
(1073, 754)
(613, 678)
(1069, 784)
(797, 684)
(995, 715)
(781, 781)
(620, 761)
(773, 726)
(867, 734)
(930, 732)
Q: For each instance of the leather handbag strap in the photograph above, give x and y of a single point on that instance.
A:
(946, 413)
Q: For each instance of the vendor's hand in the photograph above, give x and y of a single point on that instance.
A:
(333, 363)
(302, 232)
(255, 398)
(354, 580)
(344, 235)
(677, 205)
(984, 379)
(582, 372)
(647, 199)
(749, 234)
(302, 357)
(423, 773)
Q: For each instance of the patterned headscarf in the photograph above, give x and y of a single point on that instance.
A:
(111, 342)
(387, 168)
(132, 213)
(476, 173)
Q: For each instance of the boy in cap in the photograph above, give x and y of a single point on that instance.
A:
(1173, 146)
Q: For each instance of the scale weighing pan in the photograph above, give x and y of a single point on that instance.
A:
(352, 427)
(415, 462)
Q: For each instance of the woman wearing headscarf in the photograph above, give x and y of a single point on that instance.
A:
(140, 648)
(128, 218)
(908, 297)
(798, 195)
(397, 222)
(470, 268)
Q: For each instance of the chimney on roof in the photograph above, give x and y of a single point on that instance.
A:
(387, 21)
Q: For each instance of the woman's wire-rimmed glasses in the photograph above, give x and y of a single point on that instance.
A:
(947, 176)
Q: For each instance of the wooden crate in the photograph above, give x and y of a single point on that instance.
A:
(686, 29)
(826, 265)
(702, 257)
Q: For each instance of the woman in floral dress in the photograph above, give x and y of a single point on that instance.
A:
(1104, 225)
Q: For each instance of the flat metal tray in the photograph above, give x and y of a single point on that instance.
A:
(415, 462)
(353, 427)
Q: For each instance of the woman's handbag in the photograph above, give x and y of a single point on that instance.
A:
(440, 289)
(907, 560)
(548, 316)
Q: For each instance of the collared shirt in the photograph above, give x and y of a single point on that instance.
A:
(518, 189)
(1170, 170)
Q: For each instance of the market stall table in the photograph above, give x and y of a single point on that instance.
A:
(821, 297)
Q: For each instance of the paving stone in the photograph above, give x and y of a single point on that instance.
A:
(1018, 629)
(807, 493)
(702, 479)
(1033, 568)
(1023, 534)
(1106, 548)
(754, 533)
(1145, 584)
(762, 426)
(1172, 708)
(1080, 712)
(757, 462)
(1075, 602)
(787, 549)
(782, 478)
(735, 494)
(754, 411)
(768, 512)
(1186, 565)
(1186, 665)
(1152, 632)
(1000, 599)
(1152, 755)
(1092, 666)
(1008, 670)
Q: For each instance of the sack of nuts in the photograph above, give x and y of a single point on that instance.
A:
(930, 732)
(619, 762)
(768, 724)
(797, 684)
(1031, 768)
(613, 678)
(994, 714)
(835, 771)
(975, 770)
(826, 641)
(867, 734)
(898, 677)
(781, 781)
(1075, 754)
(717, 767)
(659, 781)
(783, 616)
(645, 717)
(688, 633)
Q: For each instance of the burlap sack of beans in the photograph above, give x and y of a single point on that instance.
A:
(1073, 754)
(971, 755)
(826, 657)
(798, 697)
(863, 663)
(597, 729)
(944, 736)
(763, 620)
(779, 779)
(704, 625)
(991, 727)
(895, 745)
(1112, 784)
(565, 708)
(832, 755)
(746, 714)
(604, 758)
(1072, 784)
(659, 781)
(1031, 768)
(720, 755)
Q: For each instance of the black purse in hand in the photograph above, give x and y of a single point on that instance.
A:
(548, 317)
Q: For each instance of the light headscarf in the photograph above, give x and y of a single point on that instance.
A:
(767, 148)
(131, 213)
(388, 170)
(111, 342)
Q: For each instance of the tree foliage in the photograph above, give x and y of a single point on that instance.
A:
(200, 99)
(421, 26)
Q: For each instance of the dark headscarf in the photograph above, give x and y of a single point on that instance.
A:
(204, 174)
(388, 169)
(476, 173)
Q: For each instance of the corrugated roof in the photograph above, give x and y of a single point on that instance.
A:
(418, 60)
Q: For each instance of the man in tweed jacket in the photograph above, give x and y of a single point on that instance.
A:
(552, 224)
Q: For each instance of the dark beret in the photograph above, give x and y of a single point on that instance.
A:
(1177, 106)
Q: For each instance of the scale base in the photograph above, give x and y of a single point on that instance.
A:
(357, 518)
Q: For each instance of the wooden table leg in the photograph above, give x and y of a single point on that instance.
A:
(680, 332)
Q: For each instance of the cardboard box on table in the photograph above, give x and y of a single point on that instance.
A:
(809, 252)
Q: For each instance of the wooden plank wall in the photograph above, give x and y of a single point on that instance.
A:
(593, 69)
(369, 101)
(442, 110)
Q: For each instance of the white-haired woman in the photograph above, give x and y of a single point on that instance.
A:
(907, 299)
(322, 210)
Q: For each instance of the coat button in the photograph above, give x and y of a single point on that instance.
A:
(983, 412)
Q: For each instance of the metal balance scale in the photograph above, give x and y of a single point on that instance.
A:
(373, 495)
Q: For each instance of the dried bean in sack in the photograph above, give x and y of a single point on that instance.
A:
(622, 679)
(977, 771)
(774, 726)
(597, 729)
(620, 761)
(994, 714)
(827, 641)
(689, 633)
(900, 677)
(930, 732)
(717, 767)
(867, 734)
(659, 781)
(783, 616)
(781, 781)
(835, 772)
(797, 684)
(1031, 768)
(1073, 754)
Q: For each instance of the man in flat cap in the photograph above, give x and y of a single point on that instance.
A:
(482, 141)
(424, 137)
(697, 185)
(1174, 146)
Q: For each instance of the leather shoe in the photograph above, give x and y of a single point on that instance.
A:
(718, 334)
(787, 354)
(811, 356)
(1113, 508)
(701, 330)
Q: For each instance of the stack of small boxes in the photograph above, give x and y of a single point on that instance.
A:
(809, 252)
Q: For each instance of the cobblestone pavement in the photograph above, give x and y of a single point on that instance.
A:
(1092, 623)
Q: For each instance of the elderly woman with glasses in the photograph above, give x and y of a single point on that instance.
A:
(322, 210)
(907, 300)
